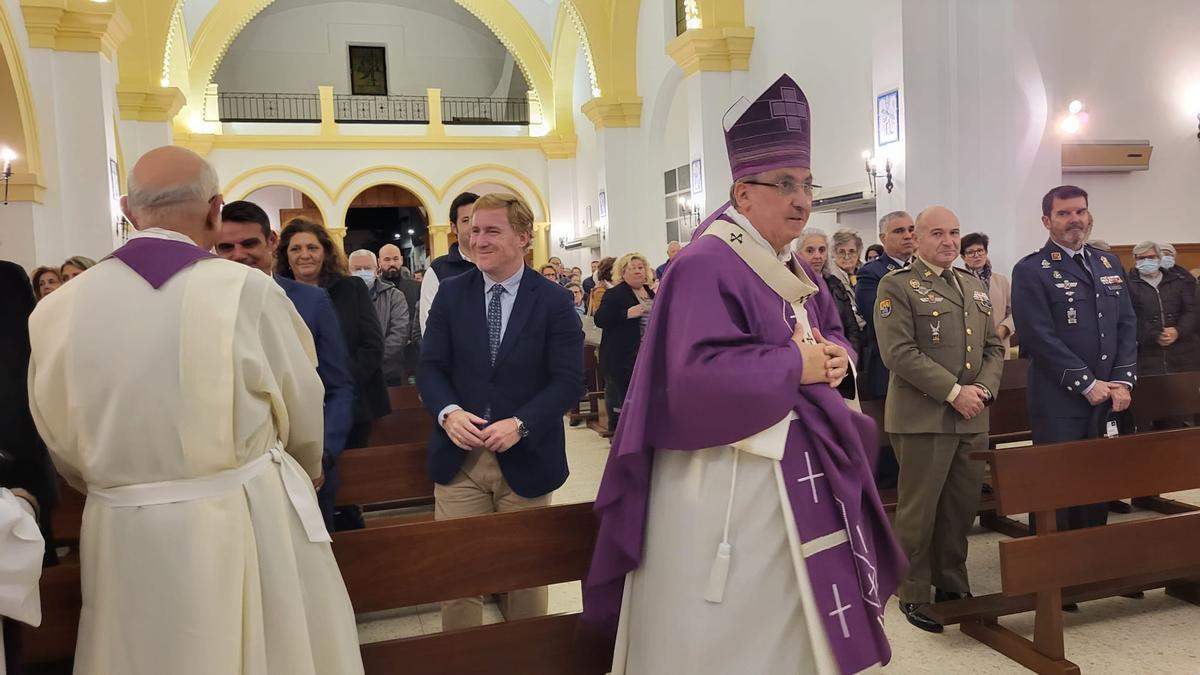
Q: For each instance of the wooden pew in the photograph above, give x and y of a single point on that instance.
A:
(1043, 571)
(385, 477)
(593, 389)
(417, 563)
(408, 422)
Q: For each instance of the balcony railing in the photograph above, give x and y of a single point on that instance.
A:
(473, 110)
(381, 109)
(238, 107)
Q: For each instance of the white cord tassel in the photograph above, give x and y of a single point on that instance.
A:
(718, 576)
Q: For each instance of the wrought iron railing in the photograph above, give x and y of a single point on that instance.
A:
(381, 109)
(475, 110)
(238, 107)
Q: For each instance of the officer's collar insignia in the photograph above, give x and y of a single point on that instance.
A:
(1055, 256)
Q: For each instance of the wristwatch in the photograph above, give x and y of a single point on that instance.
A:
(521, 428)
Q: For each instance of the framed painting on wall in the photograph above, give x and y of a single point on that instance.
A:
(887, 117)
(368, 70)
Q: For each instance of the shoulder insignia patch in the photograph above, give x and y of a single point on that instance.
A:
(885, 308)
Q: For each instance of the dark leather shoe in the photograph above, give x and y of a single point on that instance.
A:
(1070, 607)
(912, 611)
(1119, 507)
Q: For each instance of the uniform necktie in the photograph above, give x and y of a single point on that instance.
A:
(1078, 258)
(493, 320)
(949, 277)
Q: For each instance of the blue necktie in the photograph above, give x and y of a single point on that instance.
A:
(493, 320)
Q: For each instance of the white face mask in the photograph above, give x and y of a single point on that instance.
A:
(367, 276)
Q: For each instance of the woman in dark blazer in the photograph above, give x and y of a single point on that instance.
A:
(24, 462)
(623, 314)
(307, 254)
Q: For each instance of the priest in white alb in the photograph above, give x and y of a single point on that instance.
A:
(740, 530)
(179, 390)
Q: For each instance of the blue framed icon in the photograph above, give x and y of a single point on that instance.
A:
(887, 117)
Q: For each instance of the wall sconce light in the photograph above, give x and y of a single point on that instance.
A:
(689, 212)
(1075, 119)
(7, 155)
(873, 175)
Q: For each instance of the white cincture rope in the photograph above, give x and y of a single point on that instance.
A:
(718, 576)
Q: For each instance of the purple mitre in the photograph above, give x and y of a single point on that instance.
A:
(773, 132)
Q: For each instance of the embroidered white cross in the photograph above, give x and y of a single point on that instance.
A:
(811, 478)
(840, 611)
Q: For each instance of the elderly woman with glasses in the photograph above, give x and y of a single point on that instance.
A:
(1165, 305)
(813, 248)
(974, 249)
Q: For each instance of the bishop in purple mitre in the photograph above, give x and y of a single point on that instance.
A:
(740, 529)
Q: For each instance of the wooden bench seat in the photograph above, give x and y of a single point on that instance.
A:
(1049, 568)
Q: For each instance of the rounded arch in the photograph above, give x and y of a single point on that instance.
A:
(353, 186)
(667, 90)
(226, 20)
(565, 52)
(29, 153)
(255, 187)
(514, 180)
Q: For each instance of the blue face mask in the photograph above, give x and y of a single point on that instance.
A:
(1168, 261)
(367, 276)
(1147, 265)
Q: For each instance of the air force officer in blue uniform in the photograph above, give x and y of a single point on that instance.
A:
(1073, 312)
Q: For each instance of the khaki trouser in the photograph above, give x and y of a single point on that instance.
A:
(937, 497)
(479, 488)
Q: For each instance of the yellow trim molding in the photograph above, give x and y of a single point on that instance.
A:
(610, 112)
(439, 241)
(150, 106)
(712, 49)
(608, 33)
(559, 148)
(75, 25)
(541, 244)
(278, 168)
(25, 187)
(204, 143)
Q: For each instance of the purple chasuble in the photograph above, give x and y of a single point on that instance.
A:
(717, 365)
(157, 260)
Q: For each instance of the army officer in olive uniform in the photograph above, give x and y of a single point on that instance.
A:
(937, 338)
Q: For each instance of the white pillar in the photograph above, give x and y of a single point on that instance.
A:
(618, 150)
(138, 138)
(561, 180)
(975, 134)
(18, 225)
(710, 95)
(75, 95)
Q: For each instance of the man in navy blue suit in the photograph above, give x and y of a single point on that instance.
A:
(501, 363)
(1078, 330)
(247, 238)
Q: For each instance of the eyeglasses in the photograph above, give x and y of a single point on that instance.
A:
(787, 186)
(972, 252)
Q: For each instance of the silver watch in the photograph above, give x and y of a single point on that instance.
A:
(521, 428)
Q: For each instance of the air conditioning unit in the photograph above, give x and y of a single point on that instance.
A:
(590, 241)
(1106, 156)
(852, 197)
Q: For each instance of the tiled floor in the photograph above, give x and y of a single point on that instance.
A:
(1157, 634)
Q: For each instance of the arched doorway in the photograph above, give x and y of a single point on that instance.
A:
(389, 214)
(283, 203)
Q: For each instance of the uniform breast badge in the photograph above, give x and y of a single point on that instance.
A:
(1057, 274)
(914, 283)
(1105, 262)
(1045, 264)
(935, 333)
(1072, 315)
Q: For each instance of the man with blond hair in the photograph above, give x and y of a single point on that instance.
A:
(501, 363)
(192, 418)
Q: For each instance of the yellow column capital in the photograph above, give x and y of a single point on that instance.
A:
(608, 112)
(338, 234)
(75, 25)
(712, 49)
(159, 105)
(439, 240)
(558, 147)
(25, 187)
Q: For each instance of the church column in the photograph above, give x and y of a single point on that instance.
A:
(561, 184)
(975, 130)
(620, 149)
(541, 243)
(708, 56)
(73, 80)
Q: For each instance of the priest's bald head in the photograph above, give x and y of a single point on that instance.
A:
(175, 189)
(769, 156)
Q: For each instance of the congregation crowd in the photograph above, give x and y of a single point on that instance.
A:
(496, 348)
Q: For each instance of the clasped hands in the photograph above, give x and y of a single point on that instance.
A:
(471, 432)
(1167, 337)
(1115, 391)
(824, 361)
